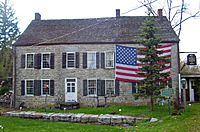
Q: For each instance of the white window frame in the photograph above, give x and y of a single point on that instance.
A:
(42, 94)
(67, 60)
(92, 52)
(113, 59)
(26, 60)
(106, 87)
(42, 66)
(91, 79)
(26, 87)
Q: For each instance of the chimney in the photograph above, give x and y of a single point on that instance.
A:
(160, 13)
(117, 12)
(37, 16)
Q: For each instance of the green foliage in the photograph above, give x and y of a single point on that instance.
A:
(3, 90)
(5, 63)
(152, 62)
(9, 30)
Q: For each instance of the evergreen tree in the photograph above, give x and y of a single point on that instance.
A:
(9, 30)
(152, 63)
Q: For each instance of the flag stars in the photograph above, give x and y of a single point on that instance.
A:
(126, 55)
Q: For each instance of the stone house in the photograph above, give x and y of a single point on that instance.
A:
(74, 60)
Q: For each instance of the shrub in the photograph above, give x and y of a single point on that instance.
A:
(3, 90)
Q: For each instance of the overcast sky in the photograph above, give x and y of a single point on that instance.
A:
(70, 9)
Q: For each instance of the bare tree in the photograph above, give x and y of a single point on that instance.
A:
(177, 12)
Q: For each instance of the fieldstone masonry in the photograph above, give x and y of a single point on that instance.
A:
(58, 74)
(106, 119)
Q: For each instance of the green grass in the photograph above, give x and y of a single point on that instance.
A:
(160, 111)
(29, 125)
(187, 121)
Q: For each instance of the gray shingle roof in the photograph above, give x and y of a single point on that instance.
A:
(97, 30)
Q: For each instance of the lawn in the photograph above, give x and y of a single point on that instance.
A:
(187, 121)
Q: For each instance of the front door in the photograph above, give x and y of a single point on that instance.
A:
(70, 90)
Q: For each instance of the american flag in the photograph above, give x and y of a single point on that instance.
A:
(127, 65)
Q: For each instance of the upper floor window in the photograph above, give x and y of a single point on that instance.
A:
(46, 60)
(29, 60)
(109, 59)
(91, 60)
(71, 60)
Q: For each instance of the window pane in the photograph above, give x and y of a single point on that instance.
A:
(91, 60)
(29, 61)
(29, 87)
(46, 60)
(71, 64)
(110, 59)
(70, 56)
(92, 87)
(45, 89)
(110, 85)
(70, 59)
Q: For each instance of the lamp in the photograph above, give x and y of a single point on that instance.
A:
(183, 82)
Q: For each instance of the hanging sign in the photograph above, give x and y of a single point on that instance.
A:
(191, 59)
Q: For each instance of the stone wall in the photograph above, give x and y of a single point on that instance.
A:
(58, 74)
(81, 118)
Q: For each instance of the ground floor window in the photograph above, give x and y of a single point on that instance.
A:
(110, 87)
(29, 87)
(45, 85)
(92, 87)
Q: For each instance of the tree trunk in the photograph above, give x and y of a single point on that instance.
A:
(151, 99)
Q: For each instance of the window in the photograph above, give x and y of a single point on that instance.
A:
(92, 87)
(29, 60)
(29, 87)
(45, 87)
(45, 60)
(70, 60)
(109, 60)
(110, 87)
(91, 60)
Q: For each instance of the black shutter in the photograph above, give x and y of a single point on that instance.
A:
(114, 59)
(117, 90)
(52, 87)
(77, 59)
(37, 61)
(84, 60)
(133, 87)
(101, 87)
(64, 60)
(97, 60)
(37, 87)
(23, 87)
(23, 61)
(52, 60)
(84, 87)
(102, 60)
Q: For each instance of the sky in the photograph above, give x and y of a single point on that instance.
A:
(75, 9)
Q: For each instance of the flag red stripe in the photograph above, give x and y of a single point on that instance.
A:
(128, 69)
(165, 46)
(128, 74)
(126, 80)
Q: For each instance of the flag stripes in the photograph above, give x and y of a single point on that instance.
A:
(127, 70)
